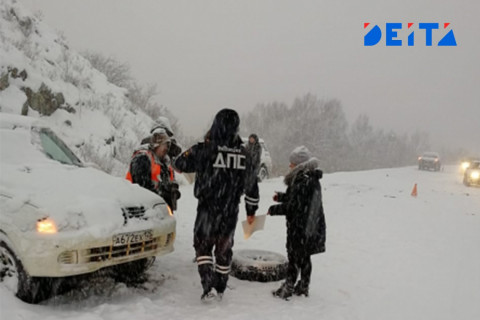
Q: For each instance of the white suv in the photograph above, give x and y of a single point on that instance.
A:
(59, 218)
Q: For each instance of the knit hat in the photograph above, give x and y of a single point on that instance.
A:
(159, 136)
(163, 122)
(300, 155)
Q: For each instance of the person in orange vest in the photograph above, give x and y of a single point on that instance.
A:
(149, 169)
(175, 148)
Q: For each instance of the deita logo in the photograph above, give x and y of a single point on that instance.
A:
(392, 38)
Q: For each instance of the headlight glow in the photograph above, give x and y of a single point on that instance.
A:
(475, 175)
(465, 165)
(46, 225)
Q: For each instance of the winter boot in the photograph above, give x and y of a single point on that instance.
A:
(208, 296)
(301, 288)
(284, 292)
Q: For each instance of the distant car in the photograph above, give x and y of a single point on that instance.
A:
(265, 162)
(429, 161)
(60, 218)
(471, 176)
(466, 162)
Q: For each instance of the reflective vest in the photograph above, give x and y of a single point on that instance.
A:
(155, 170)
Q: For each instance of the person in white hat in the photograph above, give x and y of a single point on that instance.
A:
(302, 206)
(149, 168)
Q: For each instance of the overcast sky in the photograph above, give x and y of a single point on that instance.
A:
(209, 54)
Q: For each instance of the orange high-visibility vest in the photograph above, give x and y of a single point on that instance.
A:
(155, 171)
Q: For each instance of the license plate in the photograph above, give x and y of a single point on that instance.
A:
(132, 237)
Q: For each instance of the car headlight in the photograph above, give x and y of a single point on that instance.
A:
(46, 225)
(170, 211)
(159, 206)
(465, 165)
(475, 175)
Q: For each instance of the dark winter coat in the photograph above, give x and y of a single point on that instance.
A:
(303, 208)
(223, 167)
(255, 150)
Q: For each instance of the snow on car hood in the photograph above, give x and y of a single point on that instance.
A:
(70, 194)
(73, 196)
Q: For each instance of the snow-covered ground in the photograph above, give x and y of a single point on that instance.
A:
(389, 256)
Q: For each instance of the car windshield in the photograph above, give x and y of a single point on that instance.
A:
(430, 155)
(56, 149)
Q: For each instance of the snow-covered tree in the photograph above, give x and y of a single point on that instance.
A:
(322, 127)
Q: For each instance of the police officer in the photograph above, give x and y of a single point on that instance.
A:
(224, 171)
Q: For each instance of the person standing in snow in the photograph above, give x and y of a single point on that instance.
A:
(224, 171)
(255, 150)
(150, 170)
(175, 148)
(302, 206)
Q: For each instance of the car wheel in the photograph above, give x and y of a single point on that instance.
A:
(263, 173)
(13, 274)
(132, 272)
(259, 265)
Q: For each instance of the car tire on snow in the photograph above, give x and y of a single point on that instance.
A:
(262, 174)
(259, 265)
(26, 288)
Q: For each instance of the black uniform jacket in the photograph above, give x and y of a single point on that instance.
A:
(224, 169)
(303, 208)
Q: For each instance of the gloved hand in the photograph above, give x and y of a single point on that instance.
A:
(279, 196)
(170, 193)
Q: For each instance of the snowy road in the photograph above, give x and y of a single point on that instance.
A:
(389, 256)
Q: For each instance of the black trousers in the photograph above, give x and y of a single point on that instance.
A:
(298, 263)
(214, 232)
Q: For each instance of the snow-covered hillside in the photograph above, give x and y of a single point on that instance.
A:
(93, 115)
(389, 256)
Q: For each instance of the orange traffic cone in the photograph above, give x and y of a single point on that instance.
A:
(414, 191)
